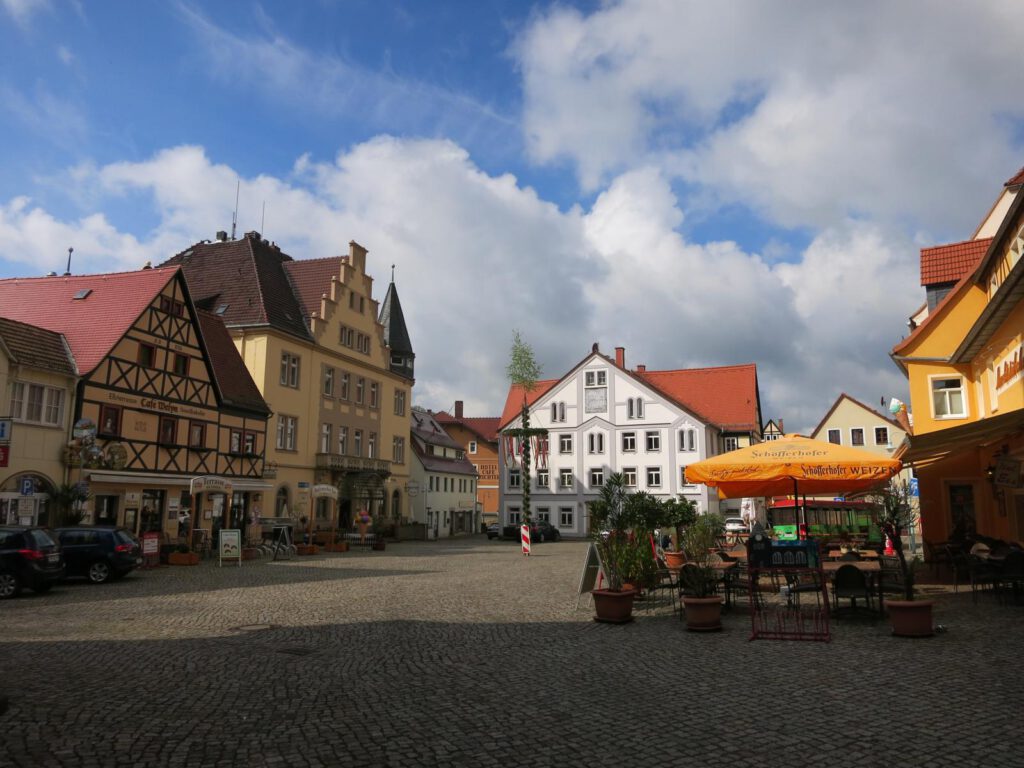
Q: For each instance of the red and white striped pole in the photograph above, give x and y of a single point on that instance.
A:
(524, 532)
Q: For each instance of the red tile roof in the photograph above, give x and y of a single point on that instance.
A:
(231, 377)
(1016, 179)
(93, 325)
(514, 401)
(311, 279)
(948, 263)
(484, 427)
(727, 396)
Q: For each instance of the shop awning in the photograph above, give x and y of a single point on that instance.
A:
(152, 478)
(921, 450)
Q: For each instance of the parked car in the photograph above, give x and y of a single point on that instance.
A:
(99, 554)
(493, 531)
(540, 530)
(29, 557)
(735, 525)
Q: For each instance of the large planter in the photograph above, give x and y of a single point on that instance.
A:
(341, 546)
(911, 618)
(249, 553)
(703, 614)
(675, 560)
(307, 549)
(183, 558)
(378, 544)
(613, 607)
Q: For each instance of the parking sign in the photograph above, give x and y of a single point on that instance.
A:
(28, 486)
(5, 430)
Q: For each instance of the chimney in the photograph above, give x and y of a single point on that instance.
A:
(782, 426)
(620, 357)
(221, 236)
(458, 409)
(641, 369)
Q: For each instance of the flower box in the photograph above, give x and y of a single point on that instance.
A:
(183, 558)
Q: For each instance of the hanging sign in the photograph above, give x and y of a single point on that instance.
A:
(1007, 472)
(209, 484)
(230, 545)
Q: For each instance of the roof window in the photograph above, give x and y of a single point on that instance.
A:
(82, 294)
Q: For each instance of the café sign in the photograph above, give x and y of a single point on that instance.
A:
(1007, 370)
(209, 484)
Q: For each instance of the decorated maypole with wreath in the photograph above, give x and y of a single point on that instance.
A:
(523, 372)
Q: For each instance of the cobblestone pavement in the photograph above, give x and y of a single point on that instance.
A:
(469, 654)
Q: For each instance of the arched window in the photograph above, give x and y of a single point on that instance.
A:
(281, 502)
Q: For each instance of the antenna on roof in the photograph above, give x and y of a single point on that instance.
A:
(392, 273)
(68, 270)
(263, 219)
(234, 216)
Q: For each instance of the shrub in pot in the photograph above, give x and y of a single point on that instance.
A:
(611, 537)
(698, 578)
(894, 514)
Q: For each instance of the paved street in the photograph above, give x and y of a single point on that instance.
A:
(469, 654)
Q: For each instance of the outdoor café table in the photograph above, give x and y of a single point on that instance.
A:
(865, 554)
(737, 555)
(870, 568)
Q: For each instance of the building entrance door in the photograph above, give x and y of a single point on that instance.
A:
(961, 510)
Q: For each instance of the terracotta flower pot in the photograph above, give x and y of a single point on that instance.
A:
(248, 553)
(675, 559)
(613, 607)
(307, 549)
(183, 558)
(911, 618)
(703, 614)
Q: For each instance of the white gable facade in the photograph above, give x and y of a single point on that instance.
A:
(602, 420)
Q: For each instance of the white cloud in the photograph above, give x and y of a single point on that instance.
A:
(23, 10)
(478, 255)
(808, 112)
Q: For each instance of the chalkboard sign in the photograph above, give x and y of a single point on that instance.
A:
(591, 568)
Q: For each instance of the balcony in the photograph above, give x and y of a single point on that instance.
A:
(337, 462)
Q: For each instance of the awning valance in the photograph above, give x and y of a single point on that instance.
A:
(935, 446)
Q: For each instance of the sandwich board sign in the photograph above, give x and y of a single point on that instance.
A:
(592, 569)
(230, 545)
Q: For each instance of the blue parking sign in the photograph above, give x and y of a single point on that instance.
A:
(913, 487)
(28, 486)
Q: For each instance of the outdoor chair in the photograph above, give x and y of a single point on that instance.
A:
(1011, 575)
(803, 583)
(740, 585)
(937, 554)
(850, 584)
(891, 576)
(665, 582)
(981, 573)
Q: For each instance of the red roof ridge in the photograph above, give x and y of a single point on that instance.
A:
(1017, 178)
(697, 370)
(102, 275)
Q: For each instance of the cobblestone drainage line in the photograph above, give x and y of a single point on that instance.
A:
(296, 651)
(253, 628)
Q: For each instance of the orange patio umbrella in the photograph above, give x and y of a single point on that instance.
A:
(794, 464)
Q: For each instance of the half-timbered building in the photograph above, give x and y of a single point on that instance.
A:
(162, 397)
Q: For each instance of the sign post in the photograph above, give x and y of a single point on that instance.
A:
(230, 546)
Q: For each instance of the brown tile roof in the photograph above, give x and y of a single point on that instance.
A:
(311, 279)
(231, 377)
(247, 277)
(484, 427)
(948, 263)
(92, 325)
(427, 429)
(1017, 178)
(36, 347)
(441, 464)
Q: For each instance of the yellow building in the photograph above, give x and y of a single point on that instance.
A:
(161, 397)
(336, 369)
(963, 360)
(37, 384)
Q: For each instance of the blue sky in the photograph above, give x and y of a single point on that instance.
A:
(704, 185)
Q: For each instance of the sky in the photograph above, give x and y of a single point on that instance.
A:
(701, 183)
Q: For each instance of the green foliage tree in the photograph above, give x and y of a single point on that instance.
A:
(894, 514)
(68, 500)
(698, 541)
(679, 513)
(523, 371)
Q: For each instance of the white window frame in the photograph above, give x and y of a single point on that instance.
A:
(838, 433)
(515, 478)
(290, 370)
(653, 477)
(328, 382)
(565, 443)
(888, 439)
(472, 446)
(325, 438)
(514, 515)
(731, 443)
(688, 439)
(932, 381)
(853, 437)
(596, 477)
(595, 443)
(563, 474)
(566, 517)
(398, 450)
(629, 442)
(629, 473)
(652, 441)
(544, 514)
(543, 478)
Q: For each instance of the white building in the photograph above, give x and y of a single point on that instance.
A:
(603, 418)
(446, 480)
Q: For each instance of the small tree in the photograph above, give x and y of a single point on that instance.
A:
(69, 498)
(608, 529)
(679, 514)
(895, 515)
(523, 372)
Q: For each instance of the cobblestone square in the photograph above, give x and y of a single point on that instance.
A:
(466, 653)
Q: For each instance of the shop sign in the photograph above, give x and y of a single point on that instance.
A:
(27, 486)
(1007, 472)
(5, 455)
(84, 429)
(6, 425)
(209, 484)
(324, 490)
(153, 404)
(1007, 371)
(230, 545)
(132, 498)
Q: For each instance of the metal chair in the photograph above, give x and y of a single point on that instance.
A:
(850, 584)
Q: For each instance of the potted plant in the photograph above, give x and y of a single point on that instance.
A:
(379, 529)
(608, 530)
(894, 514)
(678, 514)
(182, 555)
(699, 578)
